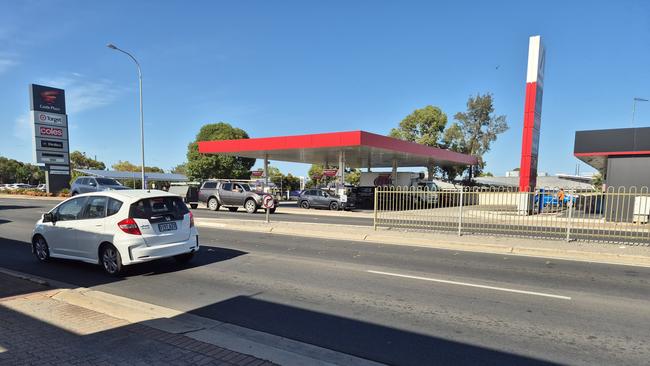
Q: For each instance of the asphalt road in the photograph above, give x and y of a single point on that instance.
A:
(392, 304)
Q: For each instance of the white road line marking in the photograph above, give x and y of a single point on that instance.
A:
(471, 285)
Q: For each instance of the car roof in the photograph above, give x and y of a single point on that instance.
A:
(131, 194)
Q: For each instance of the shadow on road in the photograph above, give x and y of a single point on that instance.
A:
(359, 338)
(16, 255)
(16, 207)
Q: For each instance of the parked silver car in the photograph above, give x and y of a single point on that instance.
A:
(94, 184)
(319, 198)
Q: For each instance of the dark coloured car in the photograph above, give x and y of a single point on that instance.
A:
(94, 184)
(318, 198)
(232, 195)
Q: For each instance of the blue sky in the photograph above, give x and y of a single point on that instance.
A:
(293, 67)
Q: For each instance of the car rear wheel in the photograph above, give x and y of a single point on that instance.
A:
(184, 258)
(232, 209)
(272, 210)
(41, 249)
(304, 204)
(213, 204)
(334, 206)
(111, 260)
(194, 205)
(251, 206)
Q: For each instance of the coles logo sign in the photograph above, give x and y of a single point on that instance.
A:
(50, 131)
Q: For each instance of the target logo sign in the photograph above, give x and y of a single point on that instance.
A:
(42, 117)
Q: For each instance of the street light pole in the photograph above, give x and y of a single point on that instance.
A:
(112, 46)
(634, 107)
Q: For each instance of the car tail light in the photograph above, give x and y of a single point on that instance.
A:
(191, 219)
(129, 226)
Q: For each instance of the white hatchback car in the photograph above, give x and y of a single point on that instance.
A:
(117, 228)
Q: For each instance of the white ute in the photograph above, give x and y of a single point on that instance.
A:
(117, 229)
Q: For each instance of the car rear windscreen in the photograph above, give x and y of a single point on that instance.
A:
(107, 182)
(158, 207)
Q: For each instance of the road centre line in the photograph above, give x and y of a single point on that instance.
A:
(471, 285)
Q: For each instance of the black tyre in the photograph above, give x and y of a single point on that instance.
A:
(272, 210)
(334, 206)
(184, 258)
(232, 209)
(41, 249)
(73, 194)
(304, 204)
(250, 206)
(194, 205)
(213, 204)
(111, 260)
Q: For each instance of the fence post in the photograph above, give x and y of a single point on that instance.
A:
(460, 213)
(374, 221)
(568, 223)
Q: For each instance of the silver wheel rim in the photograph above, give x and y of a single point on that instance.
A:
(109, 258)
(250, 206)
(212, 204)
(305, 204)
(41, 249)
(333, 206)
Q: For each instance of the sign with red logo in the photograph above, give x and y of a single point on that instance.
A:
(47, 99)
(257, 173)
(45, 118)
(330, 172)
(50, 132)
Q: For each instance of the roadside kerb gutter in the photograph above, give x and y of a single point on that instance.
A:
(601, 253)
(265, 346)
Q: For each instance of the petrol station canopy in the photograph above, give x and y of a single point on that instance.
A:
(360, 150)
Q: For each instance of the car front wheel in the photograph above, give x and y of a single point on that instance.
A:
(334, 206)
(41, 249)
(111, 260)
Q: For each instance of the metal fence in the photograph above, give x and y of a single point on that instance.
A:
(615, 215)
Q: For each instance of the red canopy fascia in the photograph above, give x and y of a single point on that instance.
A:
(359, 147)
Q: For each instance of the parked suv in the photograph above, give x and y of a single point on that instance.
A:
(232, 195)
(94, 184)
(319, 198)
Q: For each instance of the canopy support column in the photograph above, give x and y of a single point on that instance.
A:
(266, 171)
(393, 175)
(342, 167)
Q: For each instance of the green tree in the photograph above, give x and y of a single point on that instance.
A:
(79, 160)
(180, 169)
(204, 166)
(126, 166)
(14, 171)
(424, 126)
(597, 181)
(353, 176)
(476, 128)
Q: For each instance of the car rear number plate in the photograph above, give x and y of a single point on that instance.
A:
(167, 226)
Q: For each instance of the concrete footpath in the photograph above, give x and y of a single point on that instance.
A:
(39, 327)
(556, 249)
(44, 322)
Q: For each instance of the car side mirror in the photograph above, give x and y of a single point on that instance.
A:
(49, 217)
